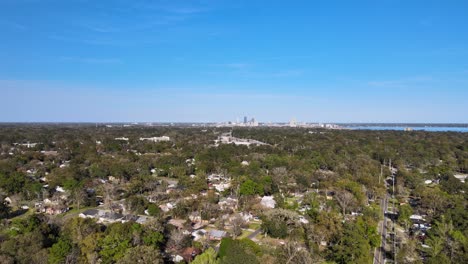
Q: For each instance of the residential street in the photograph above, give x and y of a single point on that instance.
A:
(379, 253)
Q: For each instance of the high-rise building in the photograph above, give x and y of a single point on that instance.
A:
(245, 119)
(253, 122)
(292, 123)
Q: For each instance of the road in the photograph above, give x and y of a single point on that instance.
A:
(254, 233)
(379, 253)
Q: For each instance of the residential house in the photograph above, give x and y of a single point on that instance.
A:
(268, 202)
(228, 203)
(156, 139)
(199, 234)
(217, 234)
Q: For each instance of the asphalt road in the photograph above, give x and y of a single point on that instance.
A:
(254, 233)
(379, 252)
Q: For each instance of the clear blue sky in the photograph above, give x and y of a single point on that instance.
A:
(327, 61)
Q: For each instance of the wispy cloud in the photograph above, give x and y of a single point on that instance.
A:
(104, 41)
(401, 83)
(92, 60)
(148, 23)
(288, 73)
(141, 16)
(236, 65)
(440, 52)
(71, 39)
(251, 70)
(298, 57)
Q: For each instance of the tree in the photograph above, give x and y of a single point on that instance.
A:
(208, 257)
(178, 240)
(12, 183)
(136, 204)
(451, 184)
(404, 214)
(444, 241)
(152, 238)
(235, 251)
(408, 254)
(59, 251)
(153, 210)
(352, 247)
(439, 259)
(4, 209)
(237, 223)
(369, 229)
(5, 259)
(292, 252)
(280, 223)
(78, 228)
(434, 199)
(141, 254)
(116, 241)
(344, 199)
(248, 187)
(80, 196)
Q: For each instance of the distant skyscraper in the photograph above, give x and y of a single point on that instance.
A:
(253, 122)
(292, 123)
(245, 119)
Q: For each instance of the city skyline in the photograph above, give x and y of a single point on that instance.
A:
(213, 61)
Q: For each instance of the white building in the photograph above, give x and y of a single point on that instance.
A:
(221, 187)
(268, 202)
(461, 177)
(156, 139)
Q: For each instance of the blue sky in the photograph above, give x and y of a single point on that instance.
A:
(207, 60)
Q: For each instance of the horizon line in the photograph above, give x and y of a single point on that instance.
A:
(221, 122)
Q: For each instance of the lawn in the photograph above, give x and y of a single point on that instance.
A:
(254, 226)
(245, 233)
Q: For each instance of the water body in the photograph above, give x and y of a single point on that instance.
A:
(421, 128)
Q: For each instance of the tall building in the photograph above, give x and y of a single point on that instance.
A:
(292, 123)
(253, 122)
(245, 119)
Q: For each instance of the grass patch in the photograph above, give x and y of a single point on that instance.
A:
(244, 234)
(254, 226)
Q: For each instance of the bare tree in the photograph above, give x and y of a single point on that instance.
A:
(79, 196)
(237, 223)
(316, 233)
(344, 199)
(293, 252)
(177, 240)
(109, 193)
